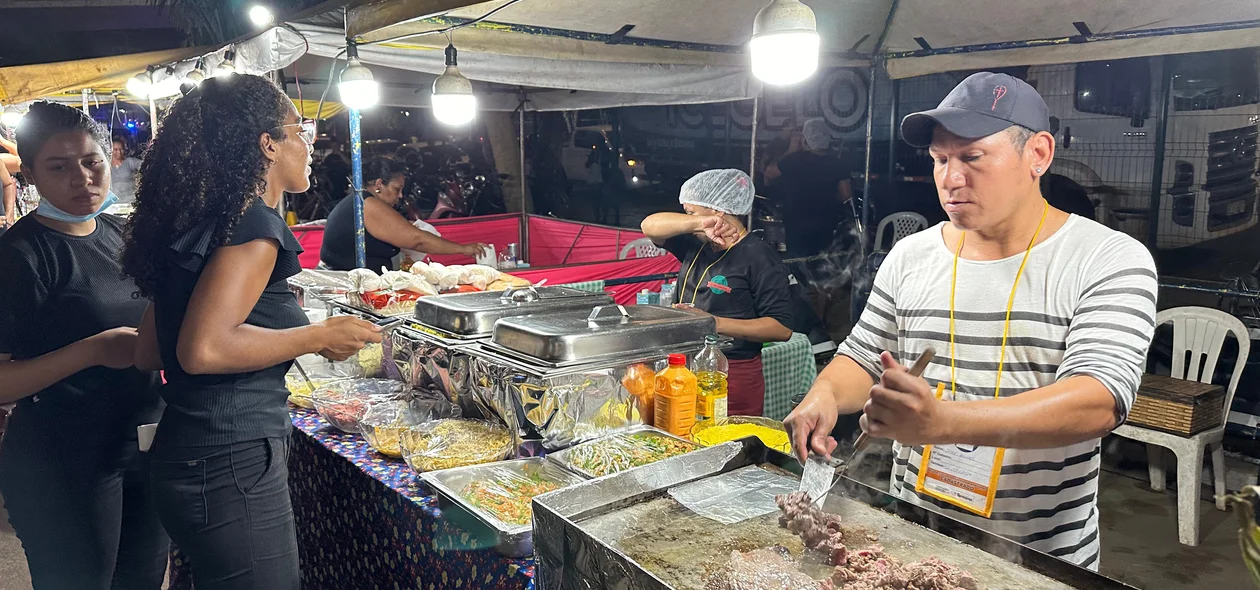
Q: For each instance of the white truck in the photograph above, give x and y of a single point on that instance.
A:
(585, 139)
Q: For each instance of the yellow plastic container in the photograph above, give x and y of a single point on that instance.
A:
(675, 400)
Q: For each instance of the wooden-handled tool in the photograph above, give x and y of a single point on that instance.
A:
(864, 439)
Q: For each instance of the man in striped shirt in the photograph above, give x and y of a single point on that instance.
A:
(1067, 342)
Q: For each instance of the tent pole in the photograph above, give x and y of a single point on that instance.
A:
(522, 253)
(152, 118)
(752, 153)
(356, 179)
(1161, 137)
(85, 92)
(892, 130)
(864, 222)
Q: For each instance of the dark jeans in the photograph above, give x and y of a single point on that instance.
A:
(85, 518)
(227, 508)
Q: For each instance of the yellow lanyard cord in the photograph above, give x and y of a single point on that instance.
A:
(1010, 304)
(682, 292)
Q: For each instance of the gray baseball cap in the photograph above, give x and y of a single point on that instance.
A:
(980, 106)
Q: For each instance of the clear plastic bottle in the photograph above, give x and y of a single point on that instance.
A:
(711, 368)
(675, 398)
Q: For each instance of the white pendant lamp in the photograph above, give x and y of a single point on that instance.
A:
(141, 84)
(454, 103)
(785, 43)
(357, 87)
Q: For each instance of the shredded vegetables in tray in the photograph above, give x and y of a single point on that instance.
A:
(443, 444)
(507, 494)
(620, 452)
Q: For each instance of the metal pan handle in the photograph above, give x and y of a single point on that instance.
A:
(515, 294)
(599, 310)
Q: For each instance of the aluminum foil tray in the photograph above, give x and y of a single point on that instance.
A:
(565, 458)
(625, 531)
(513, 540)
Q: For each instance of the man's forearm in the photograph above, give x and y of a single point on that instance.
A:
(1067, 412)
(662, 226)
(846, 383)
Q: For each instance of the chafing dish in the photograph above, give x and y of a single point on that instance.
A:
(313, 286)
(604, 333)
(464, 315)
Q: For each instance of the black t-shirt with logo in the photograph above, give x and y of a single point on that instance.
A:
(746, 282)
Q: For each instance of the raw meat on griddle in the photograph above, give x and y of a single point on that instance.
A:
(819, 530)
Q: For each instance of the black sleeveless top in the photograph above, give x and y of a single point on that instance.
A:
(338, 249)
(225, 409)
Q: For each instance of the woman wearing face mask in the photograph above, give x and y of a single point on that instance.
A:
(387, 231)
(208, 245)
(70, 468)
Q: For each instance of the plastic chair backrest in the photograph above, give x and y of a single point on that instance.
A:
(1199, 333)
(903, 223)
(642, 248)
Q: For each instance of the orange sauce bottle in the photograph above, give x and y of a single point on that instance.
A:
(676, 391)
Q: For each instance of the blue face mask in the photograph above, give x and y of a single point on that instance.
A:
(47, 209)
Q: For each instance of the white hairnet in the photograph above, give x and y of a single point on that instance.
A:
(729, 191)
(817, 135)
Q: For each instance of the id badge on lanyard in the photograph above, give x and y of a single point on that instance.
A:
(965, 476)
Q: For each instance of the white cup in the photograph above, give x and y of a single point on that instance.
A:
(144, 436)
(490, 260)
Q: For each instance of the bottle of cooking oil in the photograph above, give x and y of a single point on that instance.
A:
(711, 370)
(675, 398)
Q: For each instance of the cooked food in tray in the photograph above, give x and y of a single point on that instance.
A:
(619, 452)
(443, 444)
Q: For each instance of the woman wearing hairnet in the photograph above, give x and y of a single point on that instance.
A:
(738, 279)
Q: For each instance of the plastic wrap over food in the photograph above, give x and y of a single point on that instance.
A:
(618, 452)
(443, 444)
(384, 423)
(734, 496)
(506, 494)
(321, 373)
(344, 403)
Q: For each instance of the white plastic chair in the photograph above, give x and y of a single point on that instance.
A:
(1201, 332)
(903, 224)
(642, 248)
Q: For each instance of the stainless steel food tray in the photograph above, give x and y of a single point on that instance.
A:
(474, 314)
(578, 531)
(606, 331)
(562, 457)
(513, 540)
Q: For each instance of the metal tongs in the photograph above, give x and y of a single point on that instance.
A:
(817, 476)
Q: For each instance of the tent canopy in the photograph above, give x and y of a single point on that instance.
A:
(915, 37)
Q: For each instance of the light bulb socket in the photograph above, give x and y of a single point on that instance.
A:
(784, 16)
(452, 55)
(352, 50)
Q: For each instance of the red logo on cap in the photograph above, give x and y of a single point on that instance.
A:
(998, 93)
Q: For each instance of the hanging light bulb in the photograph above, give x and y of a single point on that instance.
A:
(165, 85)
(141, 84)
(196, 75)
(260, 15)
(453, 100)
(785, 42)
(11, 117)
(227, 67)
(357, 87)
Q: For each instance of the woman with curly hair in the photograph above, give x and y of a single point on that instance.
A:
(70, 469)
(386, 231)
(207, 244)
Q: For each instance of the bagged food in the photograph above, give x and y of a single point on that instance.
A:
(344, 403)
(384, 423)
(426, 272)
(446, 278)
(397, 280)
(443, 444)
(363, 280)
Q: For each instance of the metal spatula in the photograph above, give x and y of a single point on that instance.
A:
(817, 476)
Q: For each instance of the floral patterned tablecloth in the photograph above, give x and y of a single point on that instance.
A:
(366, 521)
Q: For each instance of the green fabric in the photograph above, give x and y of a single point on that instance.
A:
(790, 370)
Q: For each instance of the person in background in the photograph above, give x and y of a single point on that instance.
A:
(10, 158)
(71, 471)
(815, 187)
(387, 231)
(612, 184)
(123, 169)
(206, 243)
(8, 202)
(738, 279)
